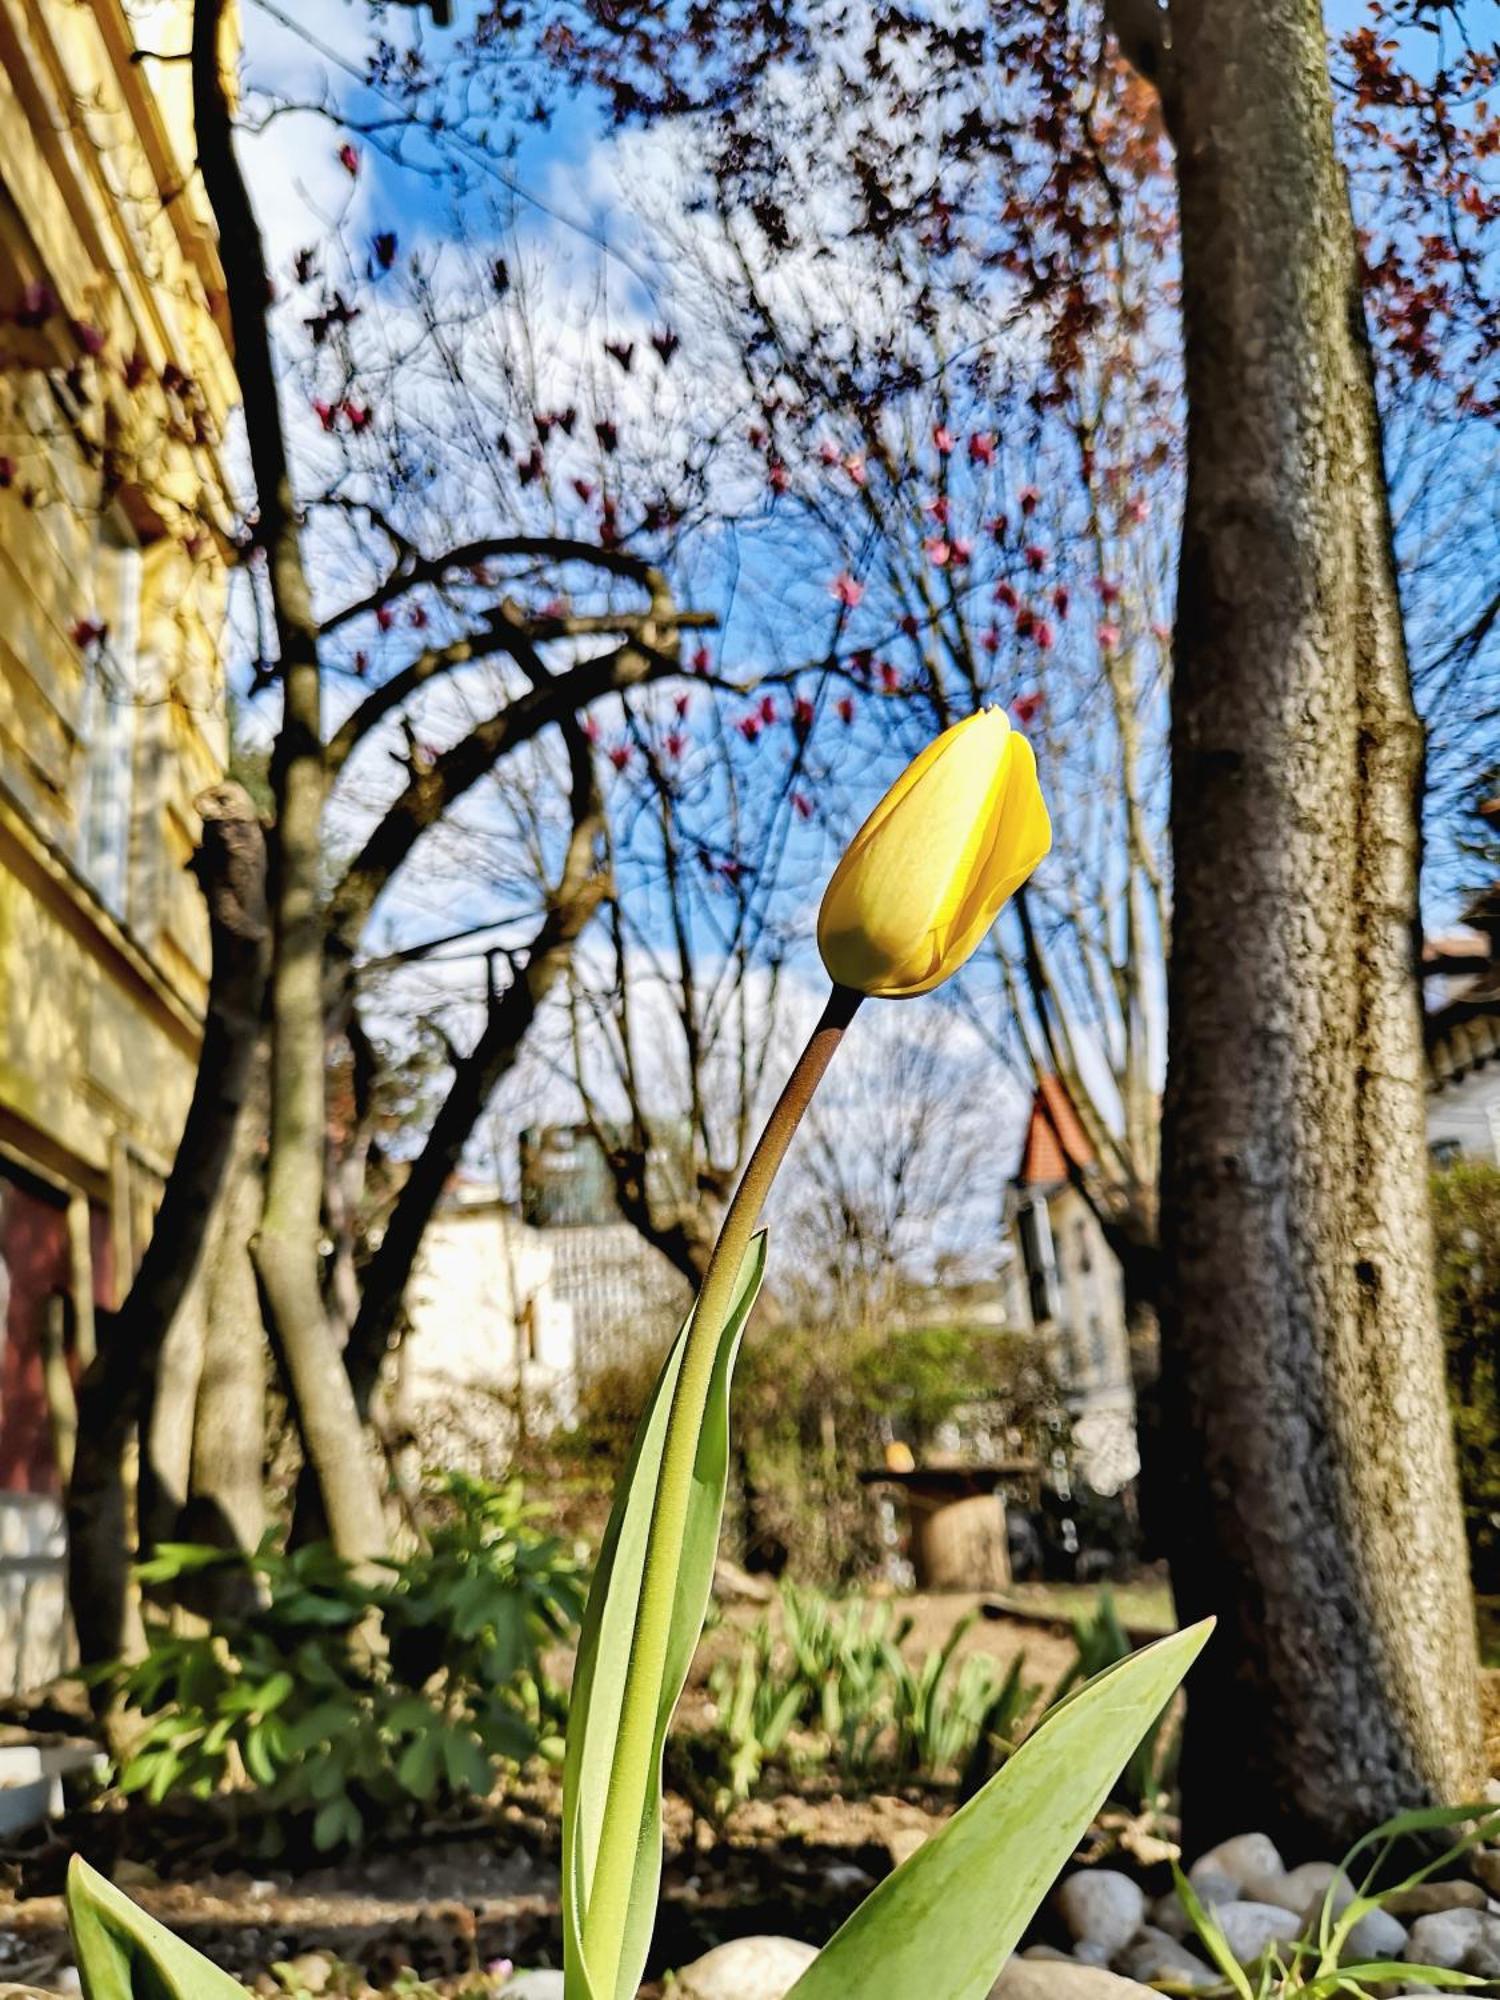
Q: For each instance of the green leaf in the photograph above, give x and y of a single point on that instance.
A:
(257, 1755)
(329, 1776)
(605, 1642)
(946, 1921)
(420, 1763)
(170, 1560)
(413, 1714)
(506, 1734)
(125, 1955)
(338, 1821)
(321, 1724)
(1385, 1971)
(467, 1766)
(1211, 1931)
(507, 1655)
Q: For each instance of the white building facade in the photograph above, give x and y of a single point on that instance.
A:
(1069, 1288)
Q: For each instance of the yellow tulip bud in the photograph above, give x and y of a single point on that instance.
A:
(931, 868)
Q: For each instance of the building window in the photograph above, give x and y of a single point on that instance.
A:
(1041, 1268)
(1085, 1261)
(107, 720)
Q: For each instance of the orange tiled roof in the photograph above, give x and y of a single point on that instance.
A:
(1055, 1139)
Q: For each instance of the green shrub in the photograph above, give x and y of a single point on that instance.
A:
(344, 1700)
(816, 1407)
(1466, 1228)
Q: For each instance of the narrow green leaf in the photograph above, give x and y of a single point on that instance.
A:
(257, 1754)
(605, 1641)
(1211, 1931)
(125, 1955)
(1384, 1971)
(946, 1921)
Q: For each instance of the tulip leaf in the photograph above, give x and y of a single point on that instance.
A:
(125, 1955)
(607, 1637)
(945, 1922)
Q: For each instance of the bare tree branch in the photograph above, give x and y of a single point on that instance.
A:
(414, 570)
(432, 791)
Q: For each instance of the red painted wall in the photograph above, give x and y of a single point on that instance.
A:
(35, 1268)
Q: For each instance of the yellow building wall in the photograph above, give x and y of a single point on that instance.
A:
(115, 388)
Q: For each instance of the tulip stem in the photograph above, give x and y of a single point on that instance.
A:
(635, 1743)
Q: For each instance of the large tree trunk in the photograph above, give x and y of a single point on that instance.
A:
(1318, 1513)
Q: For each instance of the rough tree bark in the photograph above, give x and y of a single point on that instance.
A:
(286, 1249)
(117, 1389)
(1317, 1513)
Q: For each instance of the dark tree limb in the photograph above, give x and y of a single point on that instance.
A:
(641, 626)
(115, 1393)
(413, 569)
(433, 790)
(509, 1013)
(399, 688)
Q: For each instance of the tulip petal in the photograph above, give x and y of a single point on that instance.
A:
(990, 722)
(1021, 836)
(987, 902)
(889, 909)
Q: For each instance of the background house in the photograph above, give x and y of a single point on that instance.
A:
(115, 379)
(1463, 1038)
(1067, 1286)
(515, 1306)
(490, 1343)
(1066, 1281)
(623, 1296)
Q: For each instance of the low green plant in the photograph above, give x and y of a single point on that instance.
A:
(841, 1654)
(1101, 1642)
(345, 1700)
(1321, 1964)
(940, 1704)
(1466, 1248)
(830, 1685)
(1000, 1727)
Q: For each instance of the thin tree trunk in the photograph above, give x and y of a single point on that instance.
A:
(119, 1385)
(226, 1490)
(167, 1426)
(1318, 1511)
(508, 1016)
(286, 1250)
